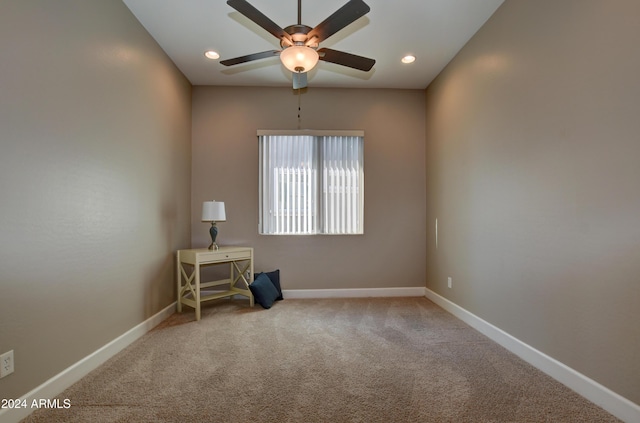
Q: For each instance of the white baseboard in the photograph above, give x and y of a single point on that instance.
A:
(600, 395)
(72, 374)
(412, 291)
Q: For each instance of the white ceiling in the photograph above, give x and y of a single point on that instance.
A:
(432, 30)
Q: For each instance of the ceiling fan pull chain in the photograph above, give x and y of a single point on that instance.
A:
(299, 108)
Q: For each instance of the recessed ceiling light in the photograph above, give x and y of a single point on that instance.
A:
(408, 59)
(211, 55)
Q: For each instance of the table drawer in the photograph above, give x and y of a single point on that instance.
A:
(224, 256)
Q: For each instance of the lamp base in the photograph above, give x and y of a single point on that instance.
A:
(213, 231)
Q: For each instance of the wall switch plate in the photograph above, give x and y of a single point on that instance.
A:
(449, 282)
(6, 364)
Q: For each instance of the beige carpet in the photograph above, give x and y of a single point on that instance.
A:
(329, 360)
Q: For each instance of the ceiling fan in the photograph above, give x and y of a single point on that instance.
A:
(300, 42)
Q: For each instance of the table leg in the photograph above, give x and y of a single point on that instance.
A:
(197, 270)
(179, 279)
(251, 302)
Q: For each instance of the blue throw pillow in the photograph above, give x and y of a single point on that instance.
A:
(275, 279)
(263, 291)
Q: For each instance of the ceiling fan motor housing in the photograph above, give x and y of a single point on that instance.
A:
(298, 35)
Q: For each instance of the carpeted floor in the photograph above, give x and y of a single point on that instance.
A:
(325, 360)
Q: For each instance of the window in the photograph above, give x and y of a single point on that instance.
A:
(311, 182)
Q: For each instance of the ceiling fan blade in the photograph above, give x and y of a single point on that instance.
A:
(346, 59)
(347, 14)
(299, 80)
(250, 57)
(259, 18)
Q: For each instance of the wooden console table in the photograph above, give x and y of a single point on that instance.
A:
(240, 260)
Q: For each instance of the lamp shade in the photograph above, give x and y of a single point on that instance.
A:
(299, 58)
(213, 211)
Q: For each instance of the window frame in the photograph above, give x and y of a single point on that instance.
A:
(318, 212)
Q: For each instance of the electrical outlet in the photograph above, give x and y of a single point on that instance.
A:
(6, 364)
(450, 282)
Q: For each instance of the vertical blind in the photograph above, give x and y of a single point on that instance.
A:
(311, 184)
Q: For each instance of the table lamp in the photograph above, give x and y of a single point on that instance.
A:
(213, 211)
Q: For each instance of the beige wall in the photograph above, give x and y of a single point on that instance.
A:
(95, 160)
(533, 175)
(225, 168)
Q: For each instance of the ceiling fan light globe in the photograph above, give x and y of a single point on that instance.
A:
(295, 58)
